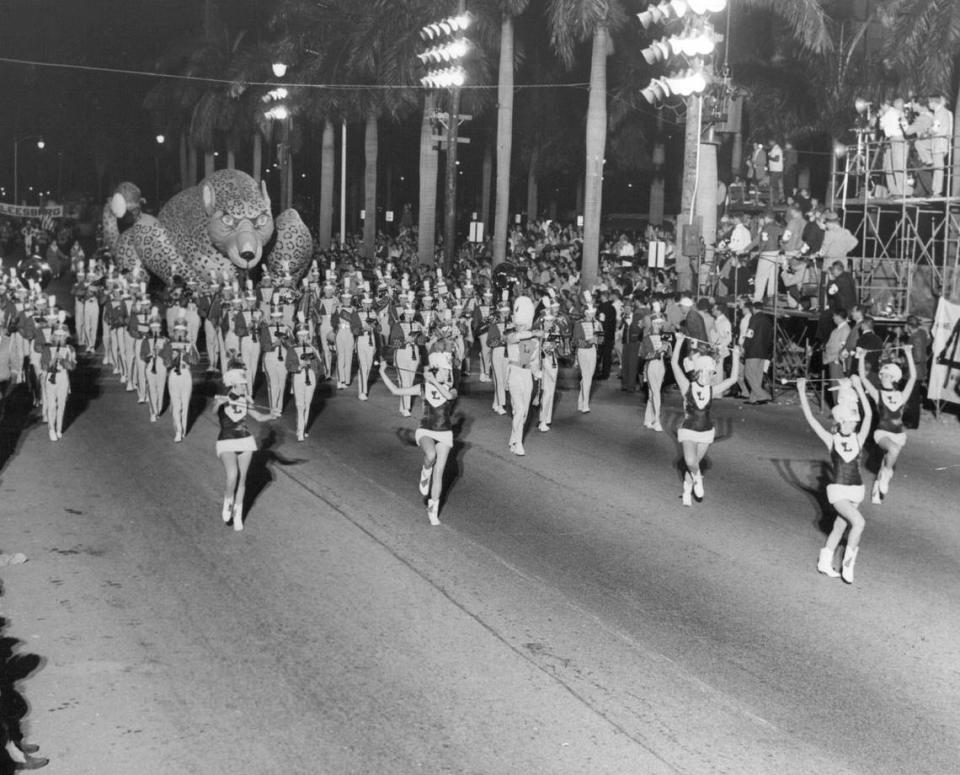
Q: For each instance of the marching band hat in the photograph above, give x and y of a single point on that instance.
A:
(845, 413)
(440, 360)
(892, 370)
(703, 363)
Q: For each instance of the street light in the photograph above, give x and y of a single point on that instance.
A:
(156, 166)
(16, 161)
(444, 71)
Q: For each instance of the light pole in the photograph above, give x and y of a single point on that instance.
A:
(445, 71)
(16, 161)
(156, 166)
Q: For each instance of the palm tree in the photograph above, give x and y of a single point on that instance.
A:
(508, 10)
(572, 22)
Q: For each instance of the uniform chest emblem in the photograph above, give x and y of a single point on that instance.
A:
(847, 448)
(701, 396)
(235, 413)
(433, 396)
(892, 399)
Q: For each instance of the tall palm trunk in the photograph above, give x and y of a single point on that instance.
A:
(371, 146)
(504, 140)
(595, 148)
(192, 164)
(327, 164)
(231, 157)
(486, 183)
(691, 145)
(257, 155)
(533, 191)
(427, 215)
(209, 164)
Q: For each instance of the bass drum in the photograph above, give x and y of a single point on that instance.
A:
(36, 270)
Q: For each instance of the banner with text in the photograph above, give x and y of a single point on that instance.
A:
(21, 211)
(945, 364)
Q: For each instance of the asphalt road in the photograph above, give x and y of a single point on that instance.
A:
(568, 616)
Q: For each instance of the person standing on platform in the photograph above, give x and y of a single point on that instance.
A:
(765, 280)
(775, 168)
(837, 242)
(757, 354)
(942, 135)
(523, 367)
(835, 346)
(180, 358)
(895, 154)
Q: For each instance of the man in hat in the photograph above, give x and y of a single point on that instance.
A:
(631, 337)
(180, 356)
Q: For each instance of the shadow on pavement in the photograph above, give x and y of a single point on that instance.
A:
(14, 708)
(16, 416)
(813, 484)
(260, 475)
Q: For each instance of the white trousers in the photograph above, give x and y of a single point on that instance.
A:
(498, 361)
(181, 388)
(521, 391)
(587, 361)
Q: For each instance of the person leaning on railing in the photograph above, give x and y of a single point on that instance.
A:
(942, 135)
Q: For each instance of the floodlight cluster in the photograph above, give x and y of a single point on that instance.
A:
(682, 85)
(677, 9)
(701, 44)
(443, 58)
(446, 27)
(447, 78)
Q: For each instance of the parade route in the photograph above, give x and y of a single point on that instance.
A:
(569, 615)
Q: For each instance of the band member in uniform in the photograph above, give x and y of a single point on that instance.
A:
(303, 362)
(846, 492)
(79, 293)
(406, 337)
(497, 344)
(179, 355)
(367, 342)
(890, 434)
(523, 367)
(587, 335)
(435, 434)
(235, 443)
(155, 370)
(117, 316)
(58, 360)
(91, 307)
(138, 327)
(246, 325)
(272, 336)
(482, 316)
(696, 432)
(208, 307)
(654, 350)
(346, 325)
(549, 365)
(327, 308)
